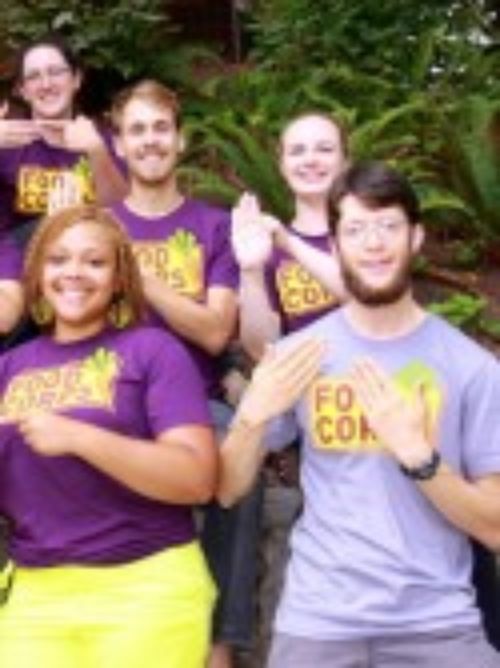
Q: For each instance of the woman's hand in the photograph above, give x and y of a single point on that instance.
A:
(51, 434)
(251, 238)
(79, 134)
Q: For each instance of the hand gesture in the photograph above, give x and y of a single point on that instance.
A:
(65, 193)
(401, 426)
(280, 378)
(50, 434)
(16, 132)
(79, 134)
(251, 239)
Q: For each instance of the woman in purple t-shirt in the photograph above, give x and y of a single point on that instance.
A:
(288, 275)
(105, 444)
(39, 154)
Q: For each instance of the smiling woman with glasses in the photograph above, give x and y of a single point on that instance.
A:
(52, 159)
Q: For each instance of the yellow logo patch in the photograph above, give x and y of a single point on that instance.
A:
(299, 292)
(35, 183)
(81, 384)
(338, 422)
(178, 260)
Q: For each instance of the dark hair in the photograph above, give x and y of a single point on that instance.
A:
(52, 40)
(377, 185)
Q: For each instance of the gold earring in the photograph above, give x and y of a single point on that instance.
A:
(120, 313)
(42, 312)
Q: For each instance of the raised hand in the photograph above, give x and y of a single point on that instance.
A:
(401, 425)
(250, 235)
(280, 379)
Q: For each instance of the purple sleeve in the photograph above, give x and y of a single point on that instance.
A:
(175, 394)
(11, 259)
(222, 268)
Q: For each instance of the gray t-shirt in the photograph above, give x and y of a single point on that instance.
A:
(371, 555)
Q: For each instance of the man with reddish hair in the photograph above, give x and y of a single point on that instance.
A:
(190, 279)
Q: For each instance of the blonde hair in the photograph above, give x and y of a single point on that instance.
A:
(150, 91)
(129, 296)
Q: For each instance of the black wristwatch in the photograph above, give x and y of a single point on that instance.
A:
(424, 471)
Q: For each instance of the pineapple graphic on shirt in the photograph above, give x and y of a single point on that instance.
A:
(185, 263)
(83, 174)
(98, 374)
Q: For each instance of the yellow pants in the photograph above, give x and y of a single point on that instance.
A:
(151, 613)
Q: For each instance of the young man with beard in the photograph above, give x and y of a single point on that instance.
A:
(190, 280)
(401, 460)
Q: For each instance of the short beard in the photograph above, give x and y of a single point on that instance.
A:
(369, 296)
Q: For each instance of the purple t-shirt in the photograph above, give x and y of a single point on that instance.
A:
(190, 249)
(139, 382)
(294, 294)
(11, 259)
(27, 174)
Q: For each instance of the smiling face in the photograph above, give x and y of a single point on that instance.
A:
(48, 83)
(149, 141)
(375, 249)
(78, 279)
(312, 155)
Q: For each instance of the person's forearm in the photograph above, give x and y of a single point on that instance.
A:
(472, 507)
(259, 324)
(110, 185)
(195, 322)
(323, 266)
(11, 305)
(241, 457)
(169, 471)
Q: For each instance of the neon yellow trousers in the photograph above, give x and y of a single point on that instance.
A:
(151, 613)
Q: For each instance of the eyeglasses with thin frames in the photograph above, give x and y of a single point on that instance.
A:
(52, 72)
(385, 228)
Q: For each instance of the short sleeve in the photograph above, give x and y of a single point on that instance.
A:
(222, 268)
(11, 259)
(175, 394)
(481, 422)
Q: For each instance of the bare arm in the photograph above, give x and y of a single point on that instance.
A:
(180, 466)
(11, 304)
(252, 245)
(472, 506)
(209, 325)
(81, 136)
(323, 266)
(110, 185)
(259, 322)
(277, 383)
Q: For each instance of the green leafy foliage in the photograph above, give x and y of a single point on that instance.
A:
(462, 310)
(117, 40)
